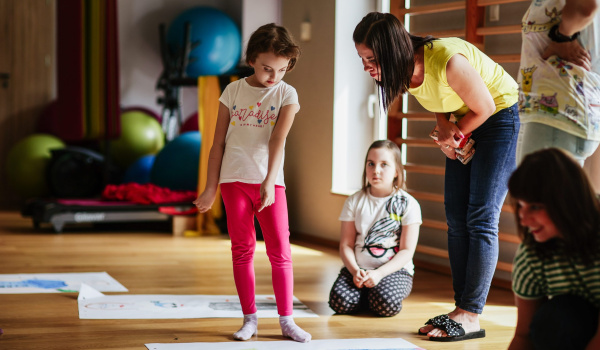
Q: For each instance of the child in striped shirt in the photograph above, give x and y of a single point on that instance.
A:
(556, 271)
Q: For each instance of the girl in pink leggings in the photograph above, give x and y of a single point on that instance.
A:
(246, 159)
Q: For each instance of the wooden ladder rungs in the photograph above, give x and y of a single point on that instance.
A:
(439, 198)
(499, 30)
(439, 225)
(424, 169)
(434, 8)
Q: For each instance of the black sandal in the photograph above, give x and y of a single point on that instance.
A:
(453, 329)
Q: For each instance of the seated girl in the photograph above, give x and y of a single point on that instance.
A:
(380, 229)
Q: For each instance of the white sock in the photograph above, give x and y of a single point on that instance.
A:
(291, 330)
(249, 328)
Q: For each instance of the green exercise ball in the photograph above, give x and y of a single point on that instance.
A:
(141, 134)
(26, 164)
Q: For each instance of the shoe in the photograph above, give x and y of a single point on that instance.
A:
(453, 329)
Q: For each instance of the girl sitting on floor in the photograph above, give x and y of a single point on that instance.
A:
(380, 229)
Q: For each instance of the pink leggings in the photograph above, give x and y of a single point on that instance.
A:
(242, 201)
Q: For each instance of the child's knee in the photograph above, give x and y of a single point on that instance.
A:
(342, 306)
(385, 308)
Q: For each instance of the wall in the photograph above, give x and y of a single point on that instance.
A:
(313, 208)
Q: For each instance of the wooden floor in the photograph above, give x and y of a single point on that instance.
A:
(155, 262)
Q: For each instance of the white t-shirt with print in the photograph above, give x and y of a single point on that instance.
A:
(378, 222)
(253, 113)
(553, 91)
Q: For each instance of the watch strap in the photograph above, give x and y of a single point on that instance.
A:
(556, 36)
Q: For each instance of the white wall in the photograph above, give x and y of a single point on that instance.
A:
(353, 130)
(313, 208)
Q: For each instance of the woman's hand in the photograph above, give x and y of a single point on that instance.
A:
(205, 201)
(448, 151)
(448, 134)
(267, 194)
(571, 52)
(372, 279)
(359, 278)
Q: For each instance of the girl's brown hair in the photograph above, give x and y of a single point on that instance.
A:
(392, 147)
(554, 179)
(394, 50)
(272, 38)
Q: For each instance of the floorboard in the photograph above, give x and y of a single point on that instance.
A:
(154, 262)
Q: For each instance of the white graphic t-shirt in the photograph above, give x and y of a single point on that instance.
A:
(253, 114)
(556, 92)
(378, 222)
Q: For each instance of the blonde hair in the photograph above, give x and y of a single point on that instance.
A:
(392, 147)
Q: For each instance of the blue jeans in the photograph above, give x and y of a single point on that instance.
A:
(473, 197)
(536, 136)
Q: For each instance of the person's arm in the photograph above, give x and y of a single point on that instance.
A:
(407, 246)
(526, 309)
(347, 241)
(276, 145)
(469, 86)
(575, 16)
(595, 342)
(206, 199)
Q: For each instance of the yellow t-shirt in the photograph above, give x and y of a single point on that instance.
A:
(436, 95)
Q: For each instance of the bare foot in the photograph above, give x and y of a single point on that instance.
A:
(469, 321)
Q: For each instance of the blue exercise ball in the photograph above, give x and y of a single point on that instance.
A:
(215, 38)
(139, 171)
(176, 165)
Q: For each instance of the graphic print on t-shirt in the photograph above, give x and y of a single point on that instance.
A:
(254, 116)
(383, 237)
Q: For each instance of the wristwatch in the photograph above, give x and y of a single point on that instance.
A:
(556, 36)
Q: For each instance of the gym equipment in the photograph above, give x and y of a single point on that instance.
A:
(77, 172)
(139, 171)
(201, 41)
(61, 212)
(141, 134)
(216, 40)
(144, 110)
(176, 165)
(27, 161)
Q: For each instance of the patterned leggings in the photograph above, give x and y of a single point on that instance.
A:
(385, 299)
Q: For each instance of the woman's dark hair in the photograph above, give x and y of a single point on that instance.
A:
(273, 38)
(394, 50)
(554, 179)
(392, 147)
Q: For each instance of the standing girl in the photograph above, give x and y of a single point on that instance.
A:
(380, 229)
(451, 77)
(556, 271)
(246, 159)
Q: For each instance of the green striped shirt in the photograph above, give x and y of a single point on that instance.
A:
(533, 278)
